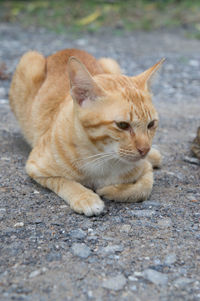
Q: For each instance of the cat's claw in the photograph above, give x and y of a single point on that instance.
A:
(89, 206)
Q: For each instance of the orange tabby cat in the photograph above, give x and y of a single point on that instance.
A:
(89, 126)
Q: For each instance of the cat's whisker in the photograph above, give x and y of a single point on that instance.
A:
(100, 159)
(116, 161)
(127, 151)
(127, 154)
(90, 157)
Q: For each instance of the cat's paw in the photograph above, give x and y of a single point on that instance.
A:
(109, 192)
(88, 204)
(155, 158)
(130, 193)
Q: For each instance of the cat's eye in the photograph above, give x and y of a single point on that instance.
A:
(151, 124)
(123, 125)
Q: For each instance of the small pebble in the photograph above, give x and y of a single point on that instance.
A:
(132, 278)
(2, 213)
(191, 160)
(157, 261)
(115, 283)
(138, 274)
(151, 203)
(37, 272)
(81, 250)
(142, 213)
(19, 224)
(90, 294)
(182, 281)
(2, 92)
(194, 63)
(81, 42)
(155, 277)
(36, 192)
(111, 249)
(192, 197)
(77, 233)
(53, 256)
(165, 223)
(133, 288)
(34, 274)
(3, 101)
(170, 259)
(63, 206)
(125, 228)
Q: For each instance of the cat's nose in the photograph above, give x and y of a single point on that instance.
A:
(143, 150)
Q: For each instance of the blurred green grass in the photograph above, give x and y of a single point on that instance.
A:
(81, 16)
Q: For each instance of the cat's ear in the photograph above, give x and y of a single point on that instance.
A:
(144, 80)
(83, 88)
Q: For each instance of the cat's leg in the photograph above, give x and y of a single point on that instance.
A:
(109, 65)
(155, 158)
(80, 199)
(133, 192)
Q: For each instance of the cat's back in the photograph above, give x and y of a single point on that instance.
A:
(56, 63)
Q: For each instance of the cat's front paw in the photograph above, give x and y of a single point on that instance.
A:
(88, 204)
(125, 193)
(155, 158)
(109, 192)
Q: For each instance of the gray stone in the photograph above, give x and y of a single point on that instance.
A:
(111, 249)
(92, 237)
(164, 223)
(19, 224)
(115, 283)
(142, 213)
(191, 160)
(77, 233)
(192, 197)
(81, 250)
(151, 204)
(182, 281)
(34, 274)
(2, 92)
(194, 63)
(2, 213)
(133, 288)
(155, 277)
(132, 278)
(125, 228)
(170, 259)
(53, 256)
(3, 101)
(37, 272)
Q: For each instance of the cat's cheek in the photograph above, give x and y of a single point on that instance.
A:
(112, 147)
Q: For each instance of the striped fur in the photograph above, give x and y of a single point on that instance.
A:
(69, 106)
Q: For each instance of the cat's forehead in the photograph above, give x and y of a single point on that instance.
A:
(135, 113)
(137, 104)
(130, 102)
(141, 111)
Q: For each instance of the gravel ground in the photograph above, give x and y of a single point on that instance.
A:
(135, 252)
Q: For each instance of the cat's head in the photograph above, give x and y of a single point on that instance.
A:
(115, 111)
